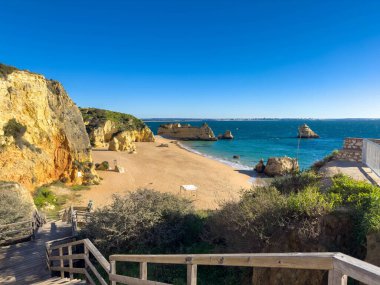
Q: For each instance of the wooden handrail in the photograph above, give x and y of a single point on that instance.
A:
(338, 265)
(30, 228)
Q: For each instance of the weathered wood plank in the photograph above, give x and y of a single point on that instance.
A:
(95, 271)
(133, 281)
(98, 256)
(357, 269)
(318, 261)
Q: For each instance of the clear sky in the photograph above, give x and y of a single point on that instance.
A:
(202, 58)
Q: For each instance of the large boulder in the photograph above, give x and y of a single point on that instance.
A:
(16, 203)
(226, 136)
(42, 134)
(122, 142)
(280, 166)
(305, 132)
(187, 132)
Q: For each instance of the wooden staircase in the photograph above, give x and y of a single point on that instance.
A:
(59, 280)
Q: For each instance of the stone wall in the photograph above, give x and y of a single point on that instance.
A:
(352, 149)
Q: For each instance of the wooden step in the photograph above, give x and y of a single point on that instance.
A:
(59, 281)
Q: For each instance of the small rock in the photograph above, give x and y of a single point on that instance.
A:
(260, 167)
(226, 136)
(236, 157)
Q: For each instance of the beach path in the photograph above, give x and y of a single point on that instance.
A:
(165, 169)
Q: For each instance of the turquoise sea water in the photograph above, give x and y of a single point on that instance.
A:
(262, 139)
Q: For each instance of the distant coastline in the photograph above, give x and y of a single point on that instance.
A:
(253, 119)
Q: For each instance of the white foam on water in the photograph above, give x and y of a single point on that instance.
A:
(234, 165)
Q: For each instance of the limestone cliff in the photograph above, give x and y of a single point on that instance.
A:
(187, 132)
(115, 131)
(42, 134)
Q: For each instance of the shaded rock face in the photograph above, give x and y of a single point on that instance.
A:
(115, 131)
(226, 136)
(260, 166)
(42, 132)
(187, 132)
(305, 132)
(280, 166)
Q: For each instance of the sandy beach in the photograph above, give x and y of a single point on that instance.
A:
(165, 169)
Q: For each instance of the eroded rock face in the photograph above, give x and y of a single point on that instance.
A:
(115, 131)
(226, 136)
(187, 132)
(280, 166)
(260, 166)
(42, 132)
(305, 132)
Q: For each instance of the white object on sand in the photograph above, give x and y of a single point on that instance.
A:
(189, 188)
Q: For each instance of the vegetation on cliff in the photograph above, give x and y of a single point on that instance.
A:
(94, 117)
(291, 214)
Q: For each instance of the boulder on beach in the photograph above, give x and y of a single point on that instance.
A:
(260, 167)
(304, 132)
(280, 166)
(226, 136)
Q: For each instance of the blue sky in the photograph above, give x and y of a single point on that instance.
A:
(205, 59)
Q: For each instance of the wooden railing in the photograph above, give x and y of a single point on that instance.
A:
(62, 258)
(14, 232)
(75, 216)
(338, 265)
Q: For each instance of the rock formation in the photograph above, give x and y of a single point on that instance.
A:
(305, 132)
(187, 132)
(16, 203)
(280, 166)
(115, 131)
(260, 166)
(226, 136)
(42, 134)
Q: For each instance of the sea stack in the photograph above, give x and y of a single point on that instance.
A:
(187, 132)
(226, 136)
(304, 132)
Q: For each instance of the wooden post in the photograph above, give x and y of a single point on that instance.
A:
(336, 277)
(143, 270)
(191, 274)
(113, 270)
(71, 261)
(61, 263)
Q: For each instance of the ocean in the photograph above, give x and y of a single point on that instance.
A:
(258, 139)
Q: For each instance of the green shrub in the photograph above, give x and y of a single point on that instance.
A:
(320, 163)
(45, 197)
(145, 221)
(360, 196)
(309, 203)
(296, 182)
(14, 129)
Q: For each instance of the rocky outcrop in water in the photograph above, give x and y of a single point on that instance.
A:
(115, 131)
(42, 134)
(187, 132)
(304, 132)
(226, 136)
(260, 166)
(280, 166)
